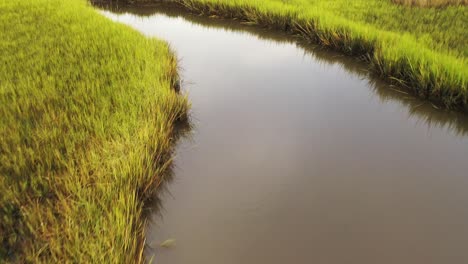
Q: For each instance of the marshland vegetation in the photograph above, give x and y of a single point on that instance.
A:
(88, 108)
(87, 112)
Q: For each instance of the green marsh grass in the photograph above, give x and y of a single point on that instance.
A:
(87, 112)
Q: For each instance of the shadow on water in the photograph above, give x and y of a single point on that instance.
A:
(154, 205)
(423, 111)
(182, 131)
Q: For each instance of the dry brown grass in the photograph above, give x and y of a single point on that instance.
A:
(428, 3)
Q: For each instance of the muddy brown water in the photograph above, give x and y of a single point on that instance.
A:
(299, 156)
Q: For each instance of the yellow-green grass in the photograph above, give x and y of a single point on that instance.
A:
(87, 116)
(423, 49)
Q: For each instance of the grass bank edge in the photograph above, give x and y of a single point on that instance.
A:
(88, 112)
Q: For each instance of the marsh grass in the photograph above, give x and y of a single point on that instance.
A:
(87, 129)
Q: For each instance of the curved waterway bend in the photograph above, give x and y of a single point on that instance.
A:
(298, 156)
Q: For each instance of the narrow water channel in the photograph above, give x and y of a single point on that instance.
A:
(299, 156)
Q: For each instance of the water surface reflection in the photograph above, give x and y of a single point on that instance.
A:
(299, 156)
